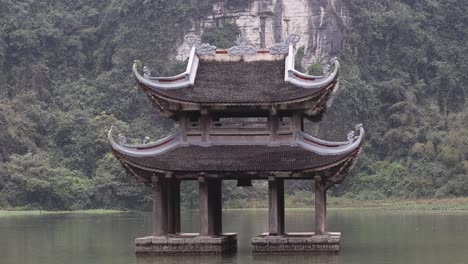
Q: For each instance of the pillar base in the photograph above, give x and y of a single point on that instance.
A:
(296, 242)
(186, 243)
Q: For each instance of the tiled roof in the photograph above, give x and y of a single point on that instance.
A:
(239, 82)
(239, 158)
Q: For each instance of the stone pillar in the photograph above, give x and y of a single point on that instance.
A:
(273, 121)
(183, 127)
(276, 206)
(210, 207)
(173, 206)
(217, 206)
(160, 225)
(320, 207)
(297, 122)
(205, 125)
(262, 29)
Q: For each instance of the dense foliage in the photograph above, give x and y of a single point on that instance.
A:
(405, 77)
(65, 79)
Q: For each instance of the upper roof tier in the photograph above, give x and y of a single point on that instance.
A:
(242, 78)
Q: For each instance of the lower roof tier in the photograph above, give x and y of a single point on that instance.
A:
(234, 159)
(305, 155)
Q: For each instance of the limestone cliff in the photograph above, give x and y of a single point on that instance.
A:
(265, 22)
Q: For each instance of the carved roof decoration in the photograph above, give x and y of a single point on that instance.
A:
(200, 48)
(244, 47)
(283, 48)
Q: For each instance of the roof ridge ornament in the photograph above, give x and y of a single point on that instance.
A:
(327, 67)
(146, 71)
(358, 126)
(200, 48)
(122, 139)
(244, 47)
(283, 47)
(352, 134)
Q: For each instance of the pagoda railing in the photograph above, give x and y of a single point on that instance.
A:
(247, 124)
(284, 127)
(241, 127)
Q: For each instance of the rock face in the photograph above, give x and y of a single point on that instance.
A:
(320, 23)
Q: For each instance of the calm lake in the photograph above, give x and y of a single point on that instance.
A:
(369, 236)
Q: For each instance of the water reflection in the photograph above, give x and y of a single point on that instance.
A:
(186, 259)
(322, 258)
(376, 237)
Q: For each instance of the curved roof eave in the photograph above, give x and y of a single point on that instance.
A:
(332, 148)
(161, 87)
(312, 94)
(306, 81)
(158, 147)
(179, 81)
(305, 141)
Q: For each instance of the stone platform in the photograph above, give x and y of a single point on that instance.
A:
(296, 242)
(186, 243)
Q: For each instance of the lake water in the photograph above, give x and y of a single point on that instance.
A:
(369, 236)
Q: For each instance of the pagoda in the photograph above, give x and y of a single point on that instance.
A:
(240, 115)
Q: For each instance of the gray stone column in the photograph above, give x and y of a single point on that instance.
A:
(205, 125)
(320, 207)
(173, 206)
(262, 30)
(273, 121)
(160, 226)
(218, 206)
(210, 207)
(183, 127)
(297, 122)
(276, 206)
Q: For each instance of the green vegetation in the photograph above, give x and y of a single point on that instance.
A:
(404, 77)
(65, 79)
(222, 36)
(298, 58)
(315, 69)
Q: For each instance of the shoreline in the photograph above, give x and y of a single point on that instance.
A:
(334, 203)
(20, 212)
(339, 203)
